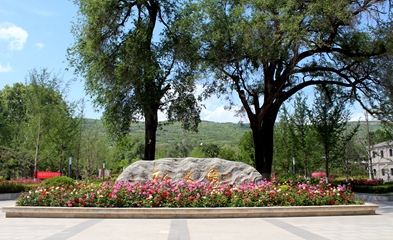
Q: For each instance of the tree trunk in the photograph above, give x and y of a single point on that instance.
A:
(61, 156)
(263, 142)
(151, 123)
(305, 164)
(370, 167)
(287, 166)
(37, 148)
(326, 163)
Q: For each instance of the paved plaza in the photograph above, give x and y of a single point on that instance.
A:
(379, 226)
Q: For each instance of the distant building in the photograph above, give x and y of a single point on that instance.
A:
(382, 158)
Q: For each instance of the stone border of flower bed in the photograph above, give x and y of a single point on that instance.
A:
(9, 196)
(225, 212)
(375, 197)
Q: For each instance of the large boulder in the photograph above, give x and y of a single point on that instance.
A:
(191, 169)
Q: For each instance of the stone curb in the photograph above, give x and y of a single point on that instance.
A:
(9, 196)
(246, 212)
(375, 197)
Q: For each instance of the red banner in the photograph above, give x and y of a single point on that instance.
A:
(318, 174)
(46, 174)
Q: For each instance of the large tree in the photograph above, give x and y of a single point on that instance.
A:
(126, 53)
(268, 50)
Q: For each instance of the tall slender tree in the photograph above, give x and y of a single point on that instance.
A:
(43, 98)
(329, 117)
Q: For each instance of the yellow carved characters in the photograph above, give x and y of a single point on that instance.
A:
(213, 175)
(155, 175)
(188, 177)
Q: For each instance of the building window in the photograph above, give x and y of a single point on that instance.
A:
(383, 171)
(391, 171)
(375, 172)
(381, 153)
(374, 155)
(390, 152)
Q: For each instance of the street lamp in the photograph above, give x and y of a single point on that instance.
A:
(69, 170)
(293, 161)
(103, 172)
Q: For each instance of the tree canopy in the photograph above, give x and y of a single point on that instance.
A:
(267, 50)
(129, 58)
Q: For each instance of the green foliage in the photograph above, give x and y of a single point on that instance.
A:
(210, 150)
(11, 188)
(386, 188)
(271, 50)
(141, 76)
(247, 149)
(284, 188)
(329, 118)
(59, 181)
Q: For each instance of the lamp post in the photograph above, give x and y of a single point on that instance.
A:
(103, 172)
(69, 169)
(293, 161)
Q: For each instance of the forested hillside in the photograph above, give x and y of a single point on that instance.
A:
(208, 132)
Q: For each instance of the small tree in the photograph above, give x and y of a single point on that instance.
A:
(43, 98)
(329, 118)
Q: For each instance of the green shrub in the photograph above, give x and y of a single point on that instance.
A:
(59, 181)
(386, 188)
(11, 188)
(388, 183)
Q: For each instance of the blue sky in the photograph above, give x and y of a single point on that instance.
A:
(36, 34)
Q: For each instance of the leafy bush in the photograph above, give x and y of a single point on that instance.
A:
(9, 187)
(386, 188)
(388, 183)
(374, 182)
(59, 181)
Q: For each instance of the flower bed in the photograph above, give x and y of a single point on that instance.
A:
(185, 194)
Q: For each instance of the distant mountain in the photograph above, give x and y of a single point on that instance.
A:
(208, 132)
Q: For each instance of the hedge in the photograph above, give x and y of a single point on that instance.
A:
(386, 188)
(11, 188)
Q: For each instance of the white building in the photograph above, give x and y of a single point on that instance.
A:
(382, 160)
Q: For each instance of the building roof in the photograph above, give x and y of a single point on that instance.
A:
(383, 144)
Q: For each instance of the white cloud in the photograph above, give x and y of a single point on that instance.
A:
(45, 13)
(13, 34)
(221, 115)
(40, 45)
(6, 68)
